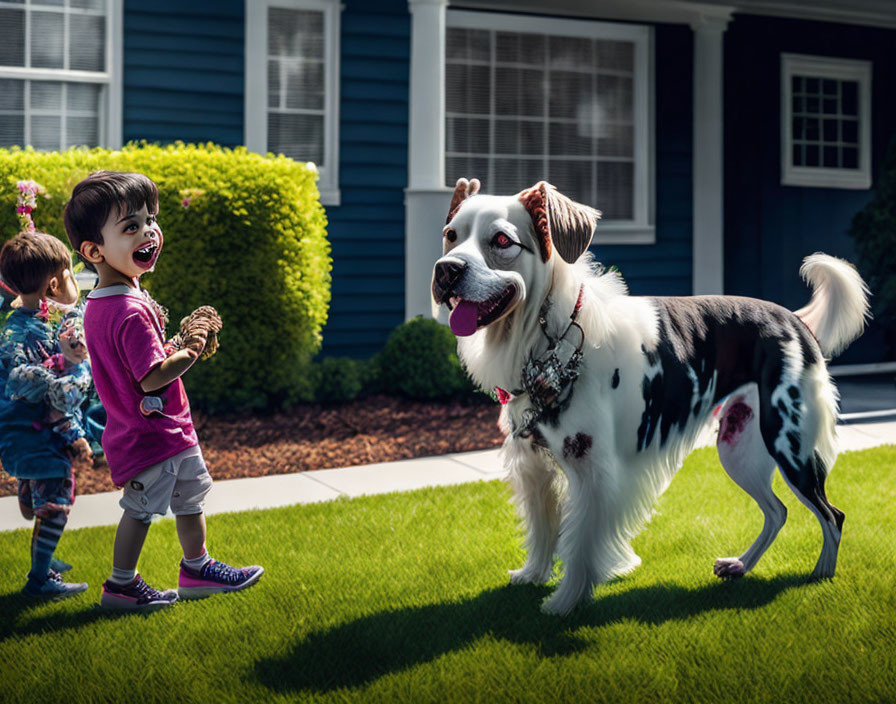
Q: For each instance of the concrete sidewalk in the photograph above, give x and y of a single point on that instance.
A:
(327, 484)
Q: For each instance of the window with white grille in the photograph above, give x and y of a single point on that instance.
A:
(57, 86)
(292, 83)
(568, 102)
(825, 122)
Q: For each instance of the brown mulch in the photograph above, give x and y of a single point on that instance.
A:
(364, 431)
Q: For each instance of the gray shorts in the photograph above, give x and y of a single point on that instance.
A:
(180, 482)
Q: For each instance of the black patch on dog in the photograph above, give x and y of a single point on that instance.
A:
(740, 339)
(615, 382)
(578, 446)
(794, 392)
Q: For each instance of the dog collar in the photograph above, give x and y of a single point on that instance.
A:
(548, 379)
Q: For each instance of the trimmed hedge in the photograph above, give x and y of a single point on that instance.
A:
(420, 360)
(244, 233)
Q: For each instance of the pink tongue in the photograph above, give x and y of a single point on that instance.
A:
(463, 318)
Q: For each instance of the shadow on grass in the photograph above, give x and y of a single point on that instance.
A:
(15, 609)
(360, 652)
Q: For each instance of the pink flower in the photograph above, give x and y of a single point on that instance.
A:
(186, 202)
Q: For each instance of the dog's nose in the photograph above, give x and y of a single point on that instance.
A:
(446, 274)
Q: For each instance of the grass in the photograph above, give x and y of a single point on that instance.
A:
(404, 597)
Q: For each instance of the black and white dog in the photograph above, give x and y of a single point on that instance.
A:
(613, 389)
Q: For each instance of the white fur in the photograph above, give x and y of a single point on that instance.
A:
(609, 491)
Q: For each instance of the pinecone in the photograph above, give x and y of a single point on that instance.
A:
(205, 319)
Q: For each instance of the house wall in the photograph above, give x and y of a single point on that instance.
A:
(183, 71)
(769, 228)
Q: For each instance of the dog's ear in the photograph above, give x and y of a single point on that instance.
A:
(462, 191)
(559, 222)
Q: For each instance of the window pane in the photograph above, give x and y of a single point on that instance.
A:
(299, 137)
(570, 94)
(12, 130)
(467, 44)
(304, 84)
(518, 92)
(614, 95)
(467, 135)
(88, 4)
(12, 94)
(295, 33)
(567, 139)
(84, 97)
(615, 140)
(850, 131)
(274, 93)
(87, 42)
(571, 53)
(850, 158)
(47, 39)
(45, 131)
(12, 29)
(467, 89)
(573, 178)
(616, 55)
(829, 130)
(46, 95)
(830, 158)
(49, 3)
(82, 131)
(812, 155)
(850, 98)
(513, 48)
(466, 167)
(615, 189)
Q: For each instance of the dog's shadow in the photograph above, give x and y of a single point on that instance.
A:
(357, 653)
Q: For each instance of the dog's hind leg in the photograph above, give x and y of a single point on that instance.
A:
(797, 419)
(744, 456)
(533, 475)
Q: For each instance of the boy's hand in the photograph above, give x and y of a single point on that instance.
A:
(73, 349)
(79, 452)
(195, 342)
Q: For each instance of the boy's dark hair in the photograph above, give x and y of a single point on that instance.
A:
(94, 198)
(29, 259)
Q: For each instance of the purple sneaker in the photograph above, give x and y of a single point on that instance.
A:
(135, 595)
(215, 577)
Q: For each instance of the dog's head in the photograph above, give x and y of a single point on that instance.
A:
(499, 251)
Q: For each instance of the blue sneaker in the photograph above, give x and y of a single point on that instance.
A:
(135, 595)
(53, 587)
(57, 565)
(215, 577)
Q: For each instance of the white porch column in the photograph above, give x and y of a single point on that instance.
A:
(709, 232)
(426, 197)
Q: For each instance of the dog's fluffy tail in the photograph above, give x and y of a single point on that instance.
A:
(838, 310)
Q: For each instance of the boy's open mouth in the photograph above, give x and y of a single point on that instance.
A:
(145, 256)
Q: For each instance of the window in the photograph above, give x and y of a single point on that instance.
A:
(531, 98)
(825, 122)
(292, 73)
(59, 83)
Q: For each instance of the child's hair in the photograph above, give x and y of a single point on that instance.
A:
(94, 198)
(29, 259)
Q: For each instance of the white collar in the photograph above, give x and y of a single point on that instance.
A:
(116, 290)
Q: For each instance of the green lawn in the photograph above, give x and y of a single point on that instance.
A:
(405, 598)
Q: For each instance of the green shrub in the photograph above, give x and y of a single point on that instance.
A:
(338, 379)
(244, 233)
(420, 360)
(874, 232)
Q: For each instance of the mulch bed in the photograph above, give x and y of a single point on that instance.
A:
(365, 431)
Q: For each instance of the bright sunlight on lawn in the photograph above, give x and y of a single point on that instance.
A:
(405, 597)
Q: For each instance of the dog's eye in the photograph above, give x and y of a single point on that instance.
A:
(450, 235)
(502, 241)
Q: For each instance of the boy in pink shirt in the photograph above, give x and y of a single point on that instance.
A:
(149, 439)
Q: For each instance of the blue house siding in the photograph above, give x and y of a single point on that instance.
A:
(367, 230)
(184, 71)
(664, 268)
(769, 228)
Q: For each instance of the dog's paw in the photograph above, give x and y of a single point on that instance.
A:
(528, 575)
(729, 568)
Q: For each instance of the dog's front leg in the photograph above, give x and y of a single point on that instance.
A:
(532, 476)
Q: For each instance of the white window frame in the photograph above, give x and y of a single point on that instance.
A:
(256, 87)
(109, 129)
(837, 69)
(641, 228)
